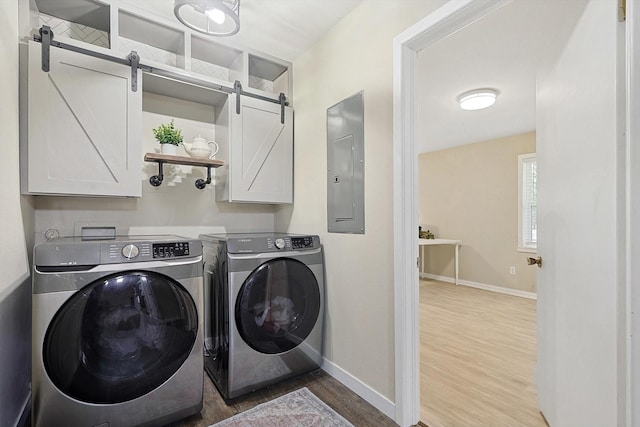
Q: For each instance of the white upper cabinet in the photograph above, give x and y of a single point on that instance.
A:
(80, 126)
(258, 152)
(81, 122)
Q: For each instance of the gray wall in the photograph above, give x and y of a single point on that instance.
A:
(15, 351)
(16, 217)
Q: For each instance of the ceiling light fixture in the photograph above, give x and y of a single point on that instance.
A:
(478, 99)
(212, 17)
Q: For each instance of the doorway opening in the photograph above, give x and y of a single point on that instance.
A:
(477, 338)
(569, 43)
(477, 346)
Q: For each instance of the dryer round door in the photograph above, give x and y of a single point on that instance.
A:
(120, 337)
(277, 306)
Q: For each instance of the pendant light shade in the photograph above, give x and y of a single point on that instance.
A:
(212, 17)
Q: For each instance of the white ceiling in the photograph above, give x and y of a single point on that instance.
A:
(282, 28)
(505, 51)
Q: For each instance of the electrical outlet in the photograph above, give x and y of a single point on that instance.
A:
(512, 270)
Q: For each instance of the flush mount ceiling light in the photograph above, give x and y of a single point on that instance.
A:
(212, 17)
(478, 99)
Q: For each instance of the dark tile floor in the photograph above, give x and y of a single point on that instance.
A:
(329, 390)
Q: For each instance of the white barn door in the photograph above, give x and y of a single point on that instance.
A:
(81, 130)
(580, 206)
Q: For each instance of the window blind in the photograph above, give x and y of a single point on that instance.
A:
(529, 202)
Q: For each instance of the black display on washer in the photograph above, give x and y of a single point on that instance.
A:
(301, 242)
(170, 250)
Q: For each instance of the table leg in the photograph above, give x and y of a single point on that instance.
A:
(421, 262)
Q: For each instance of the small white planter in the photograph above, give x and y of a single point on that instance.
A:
(169, 149)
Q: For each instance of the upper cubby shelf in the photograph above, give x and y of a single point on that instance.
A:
(122, 28)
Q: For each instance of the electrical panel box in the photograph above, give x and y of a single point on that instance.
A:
(345, 166)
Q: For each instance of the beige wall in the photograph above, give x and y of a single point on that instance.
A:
(357, 54)
(471, 193)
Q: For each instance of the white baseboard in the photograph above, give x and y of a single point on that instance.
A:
(492, 288)
(380, 402)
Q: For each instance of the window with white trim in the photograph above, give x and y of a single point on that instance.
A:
(527, 203)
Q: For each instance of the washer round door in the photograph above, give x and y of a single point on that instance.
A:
(120, 337)
(277, 306)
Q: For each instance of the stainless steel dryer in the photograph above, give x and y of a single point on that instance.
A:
(264, 308)
(117, 334)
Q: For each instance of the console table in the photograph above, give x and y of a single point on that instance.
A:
(432, 242)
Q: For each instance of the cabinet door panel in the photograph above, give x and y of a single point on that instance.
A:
(83, 132)
(261, 153)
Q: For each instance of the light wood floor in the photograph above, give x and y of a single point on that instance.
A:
(478, 355)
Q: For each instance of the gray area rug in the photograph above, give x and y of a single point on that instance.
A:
(298, 408)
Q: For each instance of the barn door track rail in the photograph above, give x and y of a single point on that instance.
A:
(45, 37)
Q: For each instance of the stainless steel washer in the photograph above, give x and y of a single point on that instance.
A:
(264, 308)
(117, 331)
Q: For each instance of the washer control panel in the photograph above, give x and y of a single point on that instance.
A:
(74, 251)
(140, 250)
(170, 249)
(302, 242)
(120, 251)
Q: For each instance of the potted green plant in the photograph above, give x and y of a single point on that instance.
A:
(169, 138)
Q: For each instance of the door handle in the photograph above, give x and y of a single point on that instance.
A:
(535, 261)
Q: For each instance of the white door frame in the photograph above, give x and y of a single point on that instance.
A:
(632, 294)
(446, 20)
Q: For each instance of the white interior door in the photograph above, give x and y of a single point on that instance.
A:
(580, 171)
(581, 373)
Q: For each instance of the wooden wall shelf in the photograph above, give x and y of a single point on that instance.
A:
(161, 159)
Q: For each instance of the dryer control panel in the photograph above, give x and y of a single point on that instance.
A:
(265, 243)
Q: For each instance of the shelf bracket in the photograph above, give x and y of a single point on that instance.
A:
(134, 59)
(201, 183)
(156, 180)
(45, 38)
(237, 87)
(283, 99)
